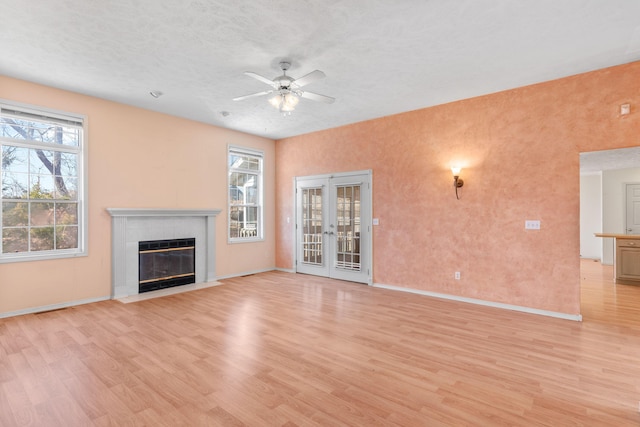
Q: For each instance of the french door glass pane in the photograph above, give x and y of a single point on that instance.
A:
(312, 226)
(348, 227)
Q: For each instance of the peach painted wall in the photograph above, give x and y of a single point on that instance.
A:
(127, 146)
(520, 153)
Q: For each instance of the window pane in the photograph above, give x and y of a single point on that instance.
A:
(66, 237)
(243, 188)
(66, 214)
(15, 240)
(243, 221)
(14, 159)
(41, 131)
(68, 164)
(71, 136)
(42, 187)
(252, 191)
(66, 188)
(252, 163)
(14, 185)
(42, 238)
(252, 215)
(236, 195)
(235, 161)
(236, 213)
(41, 214)
(236, 216)
(237, 179)
(38, 159)
(239, 161)
(15, 214)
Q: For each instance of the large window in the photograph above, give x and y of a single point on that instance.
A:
(245, 194)
(42, 184)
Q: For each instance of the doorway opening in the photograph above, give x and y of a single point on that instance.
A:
(606, 178)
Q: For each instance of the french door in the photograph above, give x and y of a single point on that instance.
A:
(333, 226)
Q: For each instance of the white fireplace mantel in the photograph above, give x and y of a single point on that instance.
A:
(116, 212)
(132, 225)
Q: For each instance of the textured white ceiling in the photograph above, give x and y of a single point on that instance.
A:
(622, 158)
(381, 57)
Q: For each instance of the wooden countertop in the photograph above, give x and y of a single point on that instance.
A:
(618, 236)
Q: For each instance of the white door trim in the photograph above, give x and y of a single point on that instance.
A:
(368, 217)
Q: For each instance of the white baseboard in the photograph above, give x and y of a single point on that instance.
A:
(566, 316)
(286, 270)
(52, 307)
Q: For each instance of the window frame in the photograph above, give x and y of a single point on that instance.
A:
(259, 155)
(69, 119)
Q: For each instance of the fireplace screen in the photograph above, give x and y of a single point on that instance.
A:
(166, 263)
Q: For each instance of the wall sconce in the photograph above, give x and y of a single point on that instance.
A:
(457, 182)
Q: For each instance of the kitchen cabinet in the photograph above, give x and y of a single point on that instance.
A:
(628, 261)
(627, 258)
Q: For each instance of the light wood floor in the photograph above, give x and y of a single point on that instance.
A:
(279, 349)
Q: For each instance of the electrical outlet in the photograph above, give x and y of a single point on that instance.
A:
(457, 275)
(532, 224)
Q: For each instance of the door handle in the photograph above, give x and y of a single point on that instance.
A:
(328, 232)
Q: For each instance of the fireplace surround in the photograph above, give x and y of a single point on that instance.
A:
(131, 226)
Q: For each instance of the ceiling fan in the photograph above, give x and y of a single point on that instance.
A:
(288, 90)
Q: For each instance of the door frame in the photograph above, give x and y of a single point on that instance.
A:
(368, 218)
(627, 186)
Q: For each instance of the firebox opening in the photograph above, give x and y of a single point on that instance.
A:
(166, 263)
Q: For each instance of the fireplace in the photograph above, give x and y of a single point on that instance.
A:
(134, 225)
(166, 263)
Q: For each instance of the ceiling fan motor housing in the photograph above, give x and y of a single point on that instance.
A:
(284, 82)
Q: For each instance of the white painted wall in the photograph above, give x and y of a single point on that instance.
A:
(591, 215)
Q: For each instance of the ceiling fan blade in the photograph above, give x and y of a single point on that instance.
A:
(309, 78)
(253, 95)
(317, 97)
(261, 78)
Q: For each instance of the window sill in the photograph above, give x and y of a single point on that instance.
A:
(245, 240)
(7, 259)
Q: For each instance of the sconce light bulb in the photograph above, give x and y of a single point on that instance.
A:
(456, 170)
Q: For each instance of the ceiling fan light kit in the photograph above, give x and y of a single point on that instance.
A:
(285, 102)
(288, 90)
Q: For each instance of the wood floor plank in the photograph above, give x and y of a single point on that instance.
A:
(280, 349)
(61, 410)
